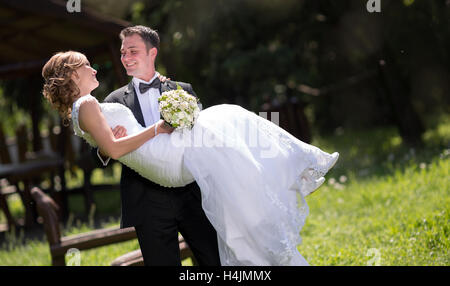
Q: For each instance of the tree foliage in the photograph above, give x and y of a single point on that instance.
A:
(352, 68)
(252, 51)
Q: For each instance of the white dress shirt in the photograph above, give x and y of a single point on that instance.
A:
(148, 102)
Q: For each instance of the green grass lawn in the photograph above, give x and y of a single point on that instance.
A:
(382, 204)
(404, 216)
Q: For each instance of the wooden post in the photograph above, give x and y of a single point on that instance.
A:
(5, 208)
(30, 211)
(5, 158)
(397, 89)
(88, 191)
(22, 142)
(303, 123)
(35, 118)
(62, 141)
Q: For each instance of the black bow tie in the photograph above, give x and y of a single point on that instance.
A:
(143, 87)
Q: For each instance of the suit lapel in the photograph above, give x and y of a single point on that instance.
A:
(132, 102)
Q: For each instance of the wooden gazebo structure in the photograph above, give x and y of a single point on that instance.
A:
(31, 31)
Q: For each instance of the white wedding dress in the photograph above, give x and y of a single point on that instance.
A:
(253, 177)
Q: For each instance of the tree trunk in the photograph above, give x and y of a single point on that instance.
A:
(398, 93)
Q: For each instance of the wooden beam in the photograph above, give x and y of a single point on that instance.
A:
(13, 20)
(348, 82)
(26, 67)
(12, 70)
(56, 9)
(33, 33)
(344, 84)
(93, 239)
(21, 67)
(15, 32)
(27, 49)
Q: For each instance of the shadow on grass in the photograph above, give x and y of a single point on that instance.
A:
(380, 152)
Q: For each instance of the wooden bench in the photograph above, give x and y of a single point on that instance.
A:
(134, 258)
(30, 168)
(59, 246)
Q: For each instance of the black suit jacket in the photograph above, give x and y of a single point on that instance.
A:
(133, 187)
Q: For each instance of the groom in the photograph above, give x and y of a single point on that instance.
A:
(156, 212)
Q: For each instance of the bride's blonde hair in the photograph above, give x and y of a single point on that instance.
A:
(59, 89)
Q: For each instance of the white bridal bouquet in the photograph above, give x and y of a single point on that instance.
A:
(178, 108)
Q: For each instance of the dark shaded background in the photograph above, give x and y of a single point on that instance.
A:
(349, 68)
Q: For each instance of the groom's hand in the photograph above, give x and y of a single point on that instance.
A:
(119, 131)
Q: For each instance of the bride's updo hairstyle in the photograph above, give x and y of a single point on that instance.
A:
(59, 89)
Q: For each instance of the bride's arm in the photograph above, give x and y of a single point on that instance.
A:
(92, 121)
(118, 132)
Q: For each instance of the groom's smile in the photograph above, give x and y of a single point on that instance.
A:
(136, 59)
(129, 65)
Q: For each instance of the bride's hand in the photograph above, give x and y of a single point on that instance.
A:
(163, 128)
(162, 78)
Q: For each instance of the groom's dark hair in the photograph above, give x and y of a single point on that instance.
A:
(148, 35)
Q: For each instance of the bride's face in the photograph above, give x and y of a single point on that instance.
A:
(85, 78)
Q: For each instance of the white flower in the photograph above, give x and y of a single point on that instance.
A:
(184, 105)
(179, 108)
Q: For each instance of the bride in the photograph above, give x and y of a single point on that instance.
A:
(253, 175)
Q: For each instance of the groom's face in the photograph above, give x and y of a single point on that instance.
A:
(136, 59)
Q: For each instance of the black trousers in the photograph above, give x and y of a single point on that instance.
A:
(171, 211)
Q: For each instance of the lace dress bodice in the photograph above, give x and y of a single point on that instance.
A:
(159, 159)
(76, 124)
